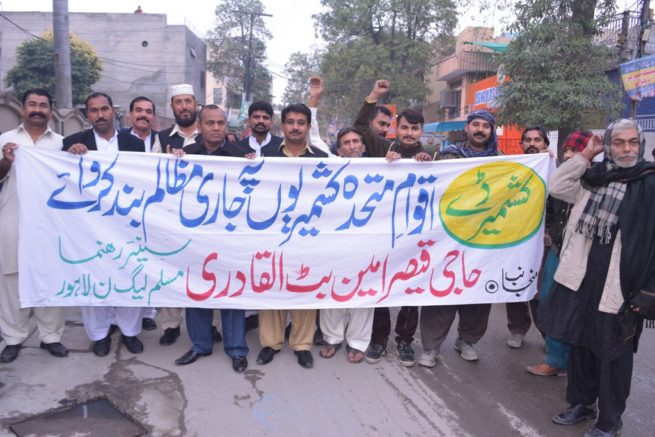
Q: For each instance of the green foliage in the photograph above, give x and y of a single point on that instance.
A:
(229, 41)
(379, 39)
(35, 67)
(298, 70)
(557, 73)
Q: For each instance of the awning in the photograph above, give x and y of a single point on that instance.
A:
(444, 126)
(500, 47)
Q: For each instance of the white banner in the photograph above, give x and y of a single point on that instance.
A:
(136, 229)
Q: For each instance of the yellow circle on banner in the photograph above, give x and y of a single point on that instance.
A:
(493, 205)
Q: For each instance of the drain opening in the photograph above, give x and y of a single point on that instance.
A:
(97, 418)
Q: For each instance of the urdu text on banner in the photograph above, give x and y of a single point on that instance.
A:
(136, 229)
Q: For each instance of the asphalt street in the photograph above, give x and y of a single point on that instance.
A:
(492, 397)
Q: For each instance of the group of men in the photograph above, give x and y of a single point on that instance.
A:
(600, 231)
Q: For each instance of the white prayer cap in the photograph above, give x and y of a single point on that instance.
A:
(183, 88)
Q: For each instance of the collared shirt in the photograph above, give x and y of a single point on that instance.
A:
(305, 151)
(103, 145)
(226, 149)
(147, 140)
(49, 140)
(188, 139)
(254, 145)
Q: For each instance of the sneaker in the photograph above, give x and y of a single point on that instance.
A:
(375, 353)
(515, 341)
(466, 350)
(406, 354)
(428, 358)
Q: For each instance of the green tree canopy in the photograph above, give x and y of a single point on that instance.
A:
(376, 39)
(298, 70)
(229, 44)
(557, 73)
(35, 67)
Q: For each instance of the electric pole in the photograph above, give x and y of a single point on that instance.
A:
(62, 58)
(248, 79)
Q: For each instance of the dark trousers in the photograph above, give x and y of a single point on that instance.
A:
(199, 326)
(437, 320)
(518, 316)
(406, 324)
(590, 378)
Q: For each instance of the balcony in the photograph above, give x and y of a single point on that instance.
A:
(464, 62)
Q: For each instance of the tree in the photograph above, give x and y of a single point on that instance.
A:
(229, 44)
(374, 39)
(35, 67)
(298, 70)
(557, 73)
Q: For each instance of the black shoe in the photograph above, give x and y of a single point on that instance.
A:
(597, 432)
(405, 354)
(101, 347)
(10, 353)
(190, 357)
(56, 349)
(148, 324)
(266, 355)
(375, 353)
(575, 414)
(133, 344)
(217, 335)
(170, 336)
(252, 322)
(239, 364)
(305, 359)
(318, 337)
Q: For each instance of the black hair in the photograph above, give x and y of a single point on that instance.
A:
(260, 106)
(412, 116)
(142, 99)
(542, 132)
(379, 109)
(347, 130)
(96, 95)
(39, 92)
(299, 108)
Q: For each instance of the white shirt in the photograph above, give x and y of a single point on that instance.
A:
(9, 194)
(104, 145)
(147, 141)
(188, 139)
(254, 145)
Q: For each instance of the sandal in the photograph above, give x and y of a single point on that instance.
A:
(329, 350)
(355, 356)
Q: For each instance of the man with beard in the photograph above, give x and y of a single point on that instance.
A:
(260, 120)
(14, 324)
(212, 142)
(605, 282)
(374, 120)
(182, 134)
(406, 146)
(436, 321)
(185, 130)
(296, 123)
(103, 137)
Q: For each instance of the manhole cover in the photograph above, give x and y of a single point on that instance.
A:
(98, 418)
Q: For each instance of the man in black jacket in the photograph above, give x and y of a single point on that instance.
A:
(103, 137)
(260, 120)
(211, 141)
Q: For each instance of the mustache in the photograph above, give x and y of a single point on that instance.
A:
(142, 118)
(295, 132)
(260, 125)
(101, 119)
(36, 114)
